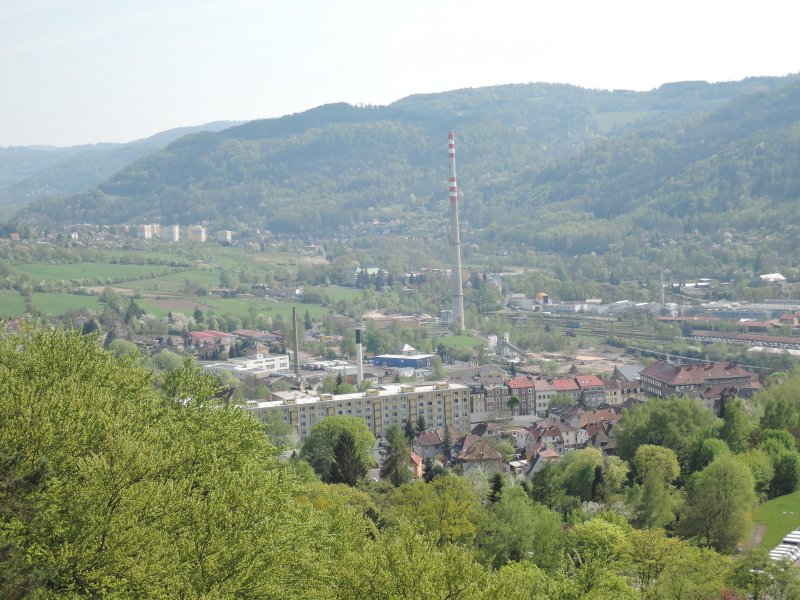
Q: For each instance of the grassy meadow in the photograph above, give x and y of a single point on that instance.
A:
(11, 303)
(86, 271)
(781, 515)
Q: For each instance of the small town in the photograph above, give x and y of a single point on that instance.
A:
(370, 301)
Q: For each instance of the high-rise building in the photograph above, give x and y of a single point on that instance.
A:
(171, 233)
(196, 233)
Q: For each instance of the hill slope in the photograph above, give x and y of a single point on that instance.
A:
(340, 166)
(32, 172)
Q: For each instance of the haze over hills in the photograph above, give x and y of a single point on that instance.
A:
(32, 172)
(555, 167)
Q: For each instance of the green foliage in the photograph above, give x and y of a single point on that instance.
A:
(446, 509)
(144, 496)
(720, 499)
(706, 451)
(590, 476)
(347, 467)
(318, 447)
(396, 457)
(519, 530)
(782, 405)
(403, 563)
(674, 423)
(759, 577)
(548, 487)
(760, 465)
(656, 461)
(736, 427)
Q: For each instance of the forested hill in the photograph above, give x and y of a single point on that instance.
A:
(519, 146)
(735, 169)
(32, 172)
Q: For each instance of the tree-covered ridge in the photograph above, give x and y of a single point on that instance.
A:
(339, 165)
(30, 173)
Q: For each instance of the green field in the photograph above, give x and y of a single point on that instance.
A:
(336, 293)
(236, 307)
(175, 283)
(58, 304)
(89, 271)
(11, 303)
(272, 308)
(781, 515)
(461, 341)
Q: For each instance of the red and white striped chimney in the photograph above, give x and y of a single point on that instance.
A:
(455, 237)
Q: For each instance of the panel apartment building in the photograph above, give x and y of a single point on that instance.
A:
(440, 403)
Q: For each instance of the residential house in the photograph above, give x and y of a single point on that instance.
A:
(524, 389)
(593, 389)
(545, 391)
(567, 387)
(414, 465)
(430, 444)
(478, 454)
(539, 457)
(663, 379)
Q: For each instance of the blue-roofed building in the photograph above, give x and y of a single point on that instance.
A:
(406, 357)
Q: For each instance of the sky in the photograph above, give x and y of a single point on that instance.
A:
(87, 71)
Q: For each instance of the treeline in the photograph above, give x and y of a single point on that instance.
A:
(118, 484)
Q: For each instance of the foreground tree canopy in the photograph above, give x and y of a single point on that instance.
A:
(116, 483)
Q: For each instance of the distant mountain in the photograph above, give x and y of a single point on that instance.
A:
(735, 169)
(33, 172)
(549, 166)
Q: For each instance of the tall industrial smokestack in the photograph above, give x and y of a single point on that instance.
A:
(359, 359)
(296, 343)
(455, 237)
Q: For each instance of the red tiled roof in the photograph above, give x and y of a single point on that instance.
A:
(479, 451)
(585, 381)
(434, 437)
(565, 385)
(693, 374)
(516, 383)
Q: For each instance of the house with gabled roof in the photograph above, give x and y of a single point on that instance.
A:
(539, 457)
(663, 379)
(430, 444)
(478, 454)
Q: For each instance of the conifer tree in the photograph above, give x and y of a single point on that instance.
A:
(347, 465)
(447, 445)
(395, 456)
(421, 424)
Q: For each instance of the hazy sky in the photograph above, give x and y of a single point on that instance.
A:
(84, 71)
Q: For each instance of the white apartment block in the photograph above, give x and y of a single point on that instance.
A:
(148, 231)
(171, 233)
(197, 233)
(440, 403)
(225, 236)
(258, 366)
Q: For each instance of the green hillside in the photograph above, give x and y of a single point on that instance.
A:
(29, 173)
(338, 167)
